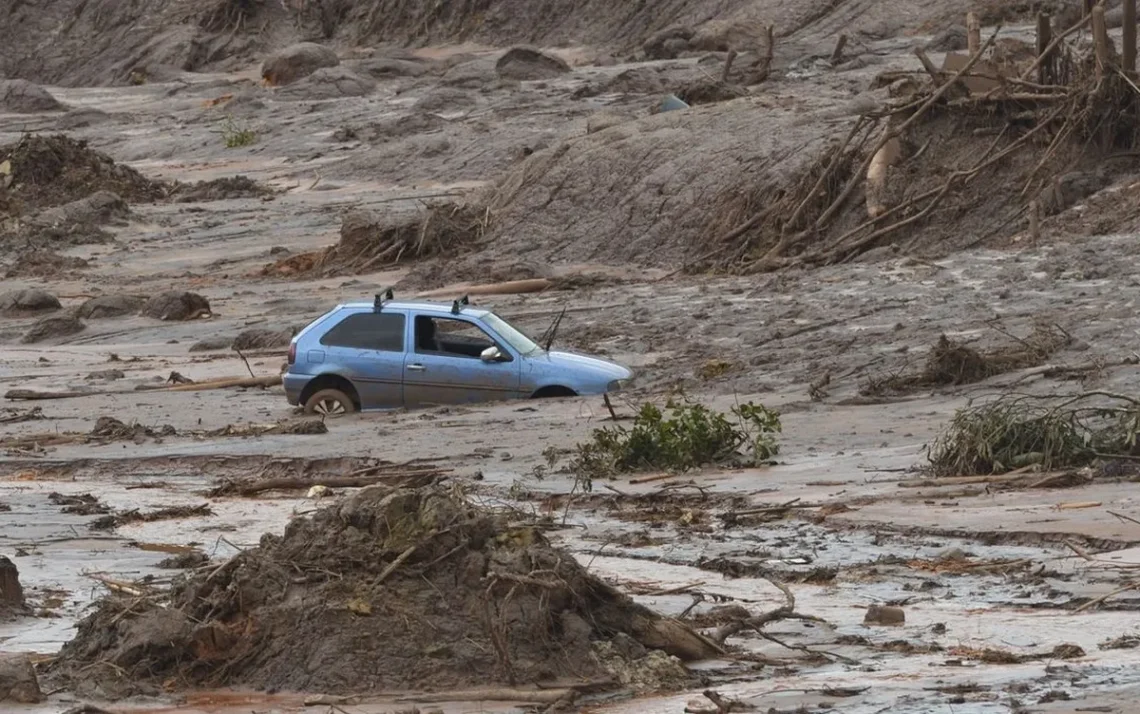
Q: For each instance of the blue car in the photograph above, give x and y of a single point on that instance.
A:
(386, 354)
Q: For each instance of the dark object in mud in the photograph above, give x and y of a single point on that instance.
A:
(51, 170)
(18, 681)
(184, 561)
(19, 96)
(44, 264)
(884, 615)
(105, 306)
(668, 43)
(111, 522)
(21, 303)
(297, 61)
(951, 39)
(330, 83)
(83, 504)
(457, 596)
(262, 339)
(1124, 642)
(176, 305)
(704, 91)
(211, 344)
(110, 428)
(11, 592)
(221, 189)
(528, 63)
(48, 327)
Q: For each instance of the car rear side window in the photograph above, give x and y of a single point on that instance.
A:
(383, 331)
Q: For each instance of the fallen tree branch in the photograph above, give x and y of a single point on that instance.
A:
(288, 483)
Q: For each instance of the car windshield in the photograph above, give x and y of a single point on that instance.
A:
(520, 342)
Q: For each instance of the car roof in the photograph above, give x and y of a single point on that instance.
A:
(433, 307)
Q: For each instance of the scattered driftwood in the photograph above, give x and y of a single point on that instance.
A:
(494, 694)
(31, 394)
(510, 287)
(404, 475)
(228, 382)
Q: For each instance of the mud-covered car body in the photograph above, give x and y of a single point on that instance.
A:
(387, 354)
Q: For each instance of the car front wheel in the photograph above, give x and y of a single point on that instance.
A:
(330, 403)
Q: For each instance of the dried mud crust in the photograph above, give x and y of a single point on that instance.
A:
(392, 589)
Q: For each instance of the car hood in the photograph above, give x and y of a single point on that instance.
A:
(580, 363)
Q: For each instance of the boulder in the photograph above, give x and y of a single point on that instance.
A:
(176, 305)
(18, 681)
(20, 96)
(391, 67)
(110, 306)
(528, 64)
(668, 43)
(19, 303)
(99, 208)
(952, 39)
(887, 615)
(296, 62)
(56, 326)
(262, 339)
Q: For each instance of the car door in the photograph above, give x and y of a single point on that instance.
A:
(367, 348)
(450, 370)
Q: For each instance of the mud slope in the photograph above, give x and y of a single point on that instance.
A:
(102, 42)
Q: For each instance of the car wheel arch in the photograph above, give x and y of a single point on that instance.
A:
(553, 390)
(330, 381)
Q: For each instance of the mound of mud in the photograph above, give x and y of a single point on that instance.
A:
(21, 303)
(221, 190)
(175, 305)
(105, 306)
(52, 170)
(392, 589)
(43, 264)
(369, 241)
(296, 62)
(528, 63)
(262, 339)
(20, 96)
(330, 83)
(50, 327)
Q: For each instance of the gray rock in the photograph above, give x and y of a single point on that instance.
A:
(110, 306)
(99, 208)
(951, 39)
(296, 62)
(667, 43)
(390, 67)
(176, 305)
(884, 615)
(19, 303)
(47, 328)
(22, 97)
(331, 83)
(528, 64)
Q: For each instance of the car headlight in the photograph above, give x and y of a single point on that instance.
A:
(617, 385)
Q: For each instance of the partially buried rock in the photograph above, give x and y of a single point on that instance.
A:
(11, 592)
(18, 680)
(297, 61)
(884, 615)
(528, 63)
(211, 344)
(176, 305)
(110, 306)
(99, 208)
(951, 39)
(56, 326)
(22, 97)
(20, 303)
(668, 43)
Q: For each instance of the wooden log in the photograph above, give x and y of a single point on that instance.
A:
(973, 33)
(837, 53)
(727, 66)
(11, 592)
(220, 384)
(31, 394)
(1100, 40)
(1044, 38)
(1128, 53)
(410, 477)
(1034, 222)
(510, 287)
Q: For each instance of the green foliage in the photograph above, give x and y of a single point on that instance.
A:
(683, 436)
(237, 135)
(1014, 431)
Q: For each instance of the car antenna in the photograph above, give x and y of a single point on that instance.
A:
(552, 330)
(379, 301)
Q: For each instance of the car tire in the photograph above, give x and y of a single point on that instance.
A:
(330, 403)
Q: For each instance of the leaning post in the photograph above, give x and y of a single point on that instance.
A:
(1128, 55)
(1044, 37)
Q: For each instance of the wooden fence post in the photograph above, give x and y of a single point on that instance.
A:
(1128, 54)
(1044, 37)
(973, 33)
(1100, 40)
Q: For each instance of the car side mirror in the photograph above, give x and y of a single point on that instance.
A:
(491, 354)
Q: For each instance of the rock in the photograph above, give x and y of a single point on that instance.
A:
(886, 615)
(19, 303)
(297, 61)
(331, 83)
(951, 39)
(389, 67)
(262, 339)
(20, 96)
(604, 120)
(107, 375)
(668, 43)
(99, 208)
(49, 327)
(212, 343)
(11, 592)
(176, 305)
(18, 680)
(528, 63)
(110, 306)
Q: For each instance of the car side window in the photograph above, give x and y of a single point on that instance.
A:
(451, 337)
(382, 331)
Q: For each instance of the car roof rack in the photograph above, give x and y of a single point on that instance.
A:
(378, 303)
(455, 306)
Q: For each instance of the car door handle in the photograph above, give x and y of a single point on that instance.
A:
(415, 368)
